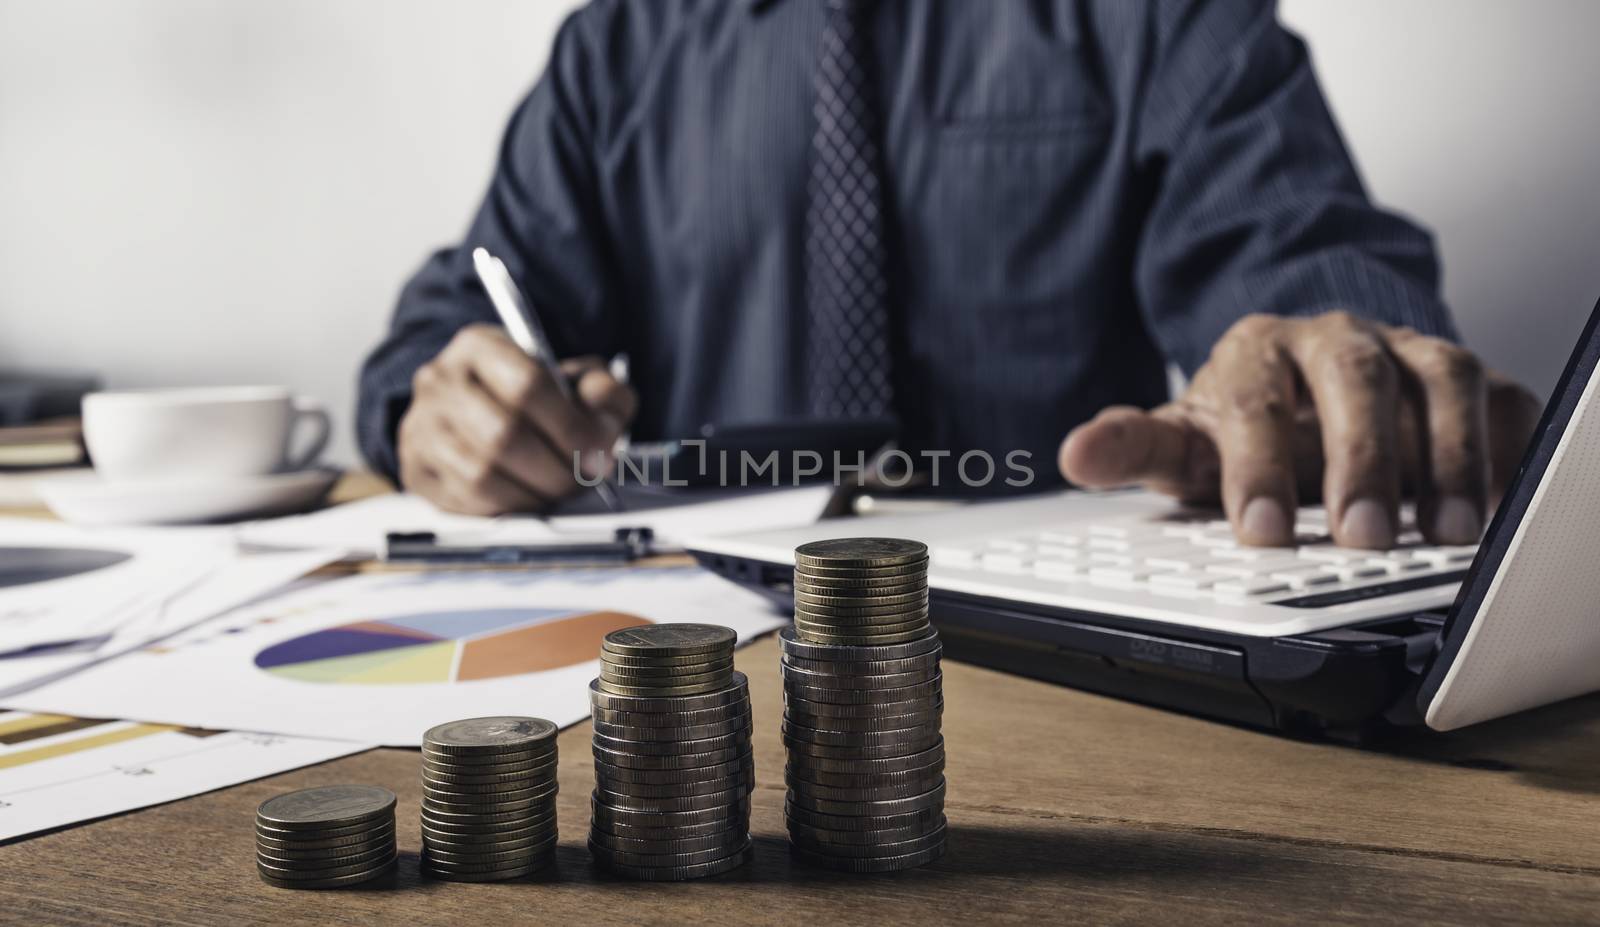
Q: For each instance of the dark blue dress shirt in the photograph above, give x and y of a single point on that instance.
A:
(1081, 191)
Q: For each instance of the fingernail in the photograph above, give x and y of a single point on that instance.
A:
(1457, 521)
(1366, 524)
(1264, 522)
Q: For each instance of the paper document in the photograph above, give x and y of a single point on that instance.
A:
(237, 580)
(57, 770)
(360, 527)
(60, 584)
(380, 658)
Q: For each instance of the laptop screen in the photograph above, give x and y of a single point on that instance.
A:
(1525, 628)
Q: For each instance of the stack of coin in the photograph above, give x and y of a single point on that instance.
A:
(326, 837)
(673, 770)
(488, 798)
(862, 702)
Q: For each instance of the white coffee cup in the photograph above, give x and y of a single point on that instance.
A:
(213, 432)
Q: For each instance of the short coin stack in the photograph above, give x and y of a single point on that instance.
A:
(862, 702)
(488, 798)
(326, 837)
(673, 770)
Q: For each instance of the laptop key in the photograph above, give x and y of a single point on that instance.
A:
(1195, 580)
(1307, 578)
(1250, 586)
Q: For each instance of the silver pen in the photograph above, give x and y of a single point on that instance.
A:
(517, 315)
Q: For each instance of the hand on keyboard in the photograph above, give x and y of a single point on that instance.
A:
(1196, 556)
(1289, 409)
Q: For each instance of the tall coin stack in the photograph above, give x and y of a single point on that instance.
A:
(862, 702)
(673, 770)
(326, 837)
(488, 798)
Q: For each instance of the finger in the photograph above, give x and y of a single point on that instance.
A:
(508, 442)
(1453, 484)
(1125, 445)
(1355, 385)
(519, 382)
(1248, 387)
(471, 485)
(1513, 417)
(601, 392)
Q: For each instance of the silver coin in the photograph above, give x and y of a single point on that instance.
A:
(723, 770)
(792, 645)
(669, 640)
(851, 604)
(876, 709)
(487, 792)
(653, 719)
(794, 715)
(927, 662)
(628, 800)
(859, 680)
(858, 553)
(863, 765)
(742, 781)
(609, 816)
(924, 817)
(825, 595)
(736, 691)
(678, 832)
(801, 752)
(875, 624)
(817, 835)
(900, 850)
(523, 778)
(664, 691)
(725, 840)
(690, 764)
(896, 737)
(679, 873)
(934, 797)
(331, 872)
(819, 581)
(454, 822)
(846, 864)
(441, 858)
(498, 875)
(382, 832)
(327, 864)
(738, 725)
(669, 748)
(529, 766)
(654, 860)
(528, 807)
(835, 800)
(326, 807)
(625, 671)
(356, 878)
(535, 756)
(921, 690)
(912, 632)
(276, 848)
(488, 838)
(493, 735)
(915, 568)
(656, 661)
(905, 781)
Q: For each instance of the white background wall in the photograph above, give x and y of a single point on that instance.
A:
(196, 191)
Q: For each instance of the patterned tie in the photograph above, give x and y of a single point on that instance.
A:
(847, 288)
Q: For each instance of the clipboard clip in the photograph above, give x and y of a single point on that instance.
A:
(627, 545)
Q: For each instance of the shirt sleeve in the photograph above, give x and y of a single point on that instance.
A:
(541, 216)
(1257, 206)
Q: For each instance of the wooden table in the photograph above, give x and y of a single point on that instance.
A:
(1064, 807)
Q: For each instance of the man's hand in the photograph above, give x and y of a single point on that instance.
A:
(488, 430)
(1356, 412)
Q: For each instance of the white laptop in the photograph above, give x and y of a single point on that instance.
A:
(1127, 594)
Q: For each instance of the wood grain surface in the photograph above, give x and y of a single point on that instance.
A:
(1064, 808)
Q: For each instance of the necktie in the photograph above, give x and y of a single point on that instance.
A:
(847, 288)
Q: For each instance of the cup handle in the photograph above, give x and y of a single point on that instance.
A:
(309, 410)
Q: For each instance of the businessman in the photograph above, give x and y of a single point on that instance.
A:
(996, 222)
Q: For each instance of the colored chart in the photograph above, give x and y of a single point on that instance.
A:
(457, 646)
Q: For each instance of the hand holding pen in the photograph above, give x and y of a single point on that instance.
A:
(493, 427)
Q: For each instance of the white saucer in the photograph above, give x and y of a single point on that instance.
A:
(89, 499)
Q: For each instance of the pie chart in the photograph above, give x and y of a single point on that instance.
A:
(445, 647)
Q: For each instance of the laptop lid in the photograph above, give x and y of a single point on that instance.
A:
(1525, 627)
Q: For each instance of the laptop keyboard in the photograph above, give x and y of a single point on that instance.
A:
(1196, 556)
